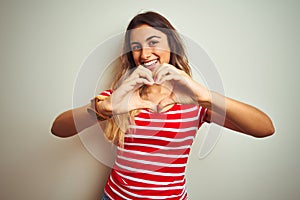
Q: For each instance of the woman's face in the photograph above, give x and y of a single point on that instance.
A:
(149, 47)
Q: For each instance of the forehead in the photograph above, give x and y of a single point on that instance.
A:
(143, 32)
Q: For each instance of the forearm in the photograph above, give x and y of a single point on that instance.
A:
(72, 122)
(75, 120)
(241, 117)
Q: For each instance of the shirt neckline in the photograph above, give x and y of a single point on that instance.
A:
(164, 110)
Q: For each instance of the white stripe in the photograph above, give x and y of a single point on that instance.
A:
(156, 188)
(152, 163)
(115, 191)
(153, 154)
(153, 128)
(184, 193)
(167, 120)
(158, 146)
(107, 92)
(159, 138)
(144, 196)
(149, 171)
(148, 181)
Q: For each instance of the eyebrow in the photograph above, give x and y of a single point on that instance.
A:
(149, 38)
(154, 36)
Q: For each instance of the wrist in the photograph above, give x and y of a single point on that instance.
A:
(104, 106)
(218, 102)
(205, 98)
(97, 109)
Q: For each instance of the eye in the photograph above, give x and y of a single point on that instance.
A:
(135, 47)
(153, 43)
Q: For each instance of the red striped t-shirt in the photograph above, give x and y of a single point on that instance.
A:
(156, 148)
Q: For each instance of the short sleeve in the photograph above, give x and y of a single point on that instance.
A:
(92, 109)
(106, 93)
(202, 115)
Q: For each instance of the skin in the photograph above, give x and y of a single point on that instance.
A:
(150, 45)
(165, 85)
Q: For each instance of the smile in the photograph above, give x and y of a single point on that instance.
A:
(152, 62)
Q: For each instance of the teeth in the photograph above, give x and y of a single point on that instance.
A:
(150, 63)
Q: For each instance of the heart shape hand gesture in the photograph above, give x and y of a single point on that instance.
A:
(165, 86)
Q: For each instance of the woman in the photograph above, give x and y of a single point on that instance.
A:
(153, 112)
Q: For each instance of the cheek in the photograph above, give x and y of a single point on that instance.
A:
(164, 53)
(165, 56)
(136, 57)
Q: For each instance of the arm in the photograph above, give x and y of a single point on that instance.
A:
(124, 99)
(222, 110)
(73, 121)
(239, 116)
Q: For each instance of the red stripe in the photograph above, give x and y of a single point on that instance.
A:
(110, 186)
(160, 168)
(159, 141)
(146, 177)
(162, 133)
(169, 168)
(175, 152)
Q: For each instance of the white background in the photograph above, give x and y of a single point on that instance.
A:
(254, 44)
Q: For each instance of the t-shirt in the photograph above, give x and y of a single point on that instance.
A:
(152, 163)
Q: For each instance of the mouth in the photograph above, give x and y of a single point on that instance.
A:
(150, 64)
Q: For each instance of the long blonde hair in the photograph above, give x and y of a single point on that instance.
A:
(117, 126)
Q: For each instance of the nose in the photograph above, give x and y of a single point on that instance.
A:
(146, 52)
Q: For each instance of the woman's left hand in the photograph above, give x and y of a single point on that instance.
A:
(184, 89)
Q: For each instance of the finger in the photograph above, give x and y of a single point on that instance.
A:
(139, 82)
(162, 67)
(164, 70)
(159, 70)
(139, 72)
(145, 73)
(130, 86)
(169, 77)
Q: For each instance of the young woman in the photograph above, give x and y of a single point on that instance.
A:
(153, 112)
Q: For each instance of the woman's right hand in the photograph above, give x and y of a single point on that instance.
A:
(126, 97)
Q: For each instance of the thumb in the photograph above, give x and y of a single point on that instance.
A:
(147, 104)
(167, 101)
